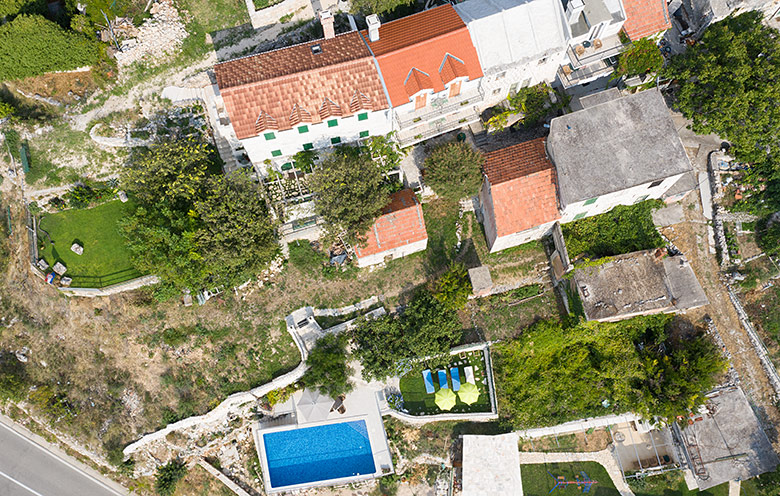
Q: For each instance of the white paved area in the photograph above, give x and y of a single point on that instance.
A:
(491, 466)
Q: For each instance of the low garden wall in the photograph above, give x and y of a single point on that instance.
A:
(130, 285)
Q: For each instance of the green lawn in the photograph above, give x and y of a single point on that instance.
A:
(105, 260)
(671, 484)
(417, 401)
(538, 482)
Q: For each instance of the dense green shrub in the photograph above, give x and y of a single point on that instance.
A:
(14, 381)
(623, 229)
(328, 369)
(554, 373)
(421, 336)
(454, 287)
(168, 476)
(768, 235)
(643, 57)
(454, 170)
(31, 45)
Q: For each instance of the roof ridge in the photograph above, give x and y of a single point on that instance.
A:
(285, 48)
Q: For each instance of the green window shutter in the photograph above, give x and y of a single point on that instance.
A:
(308, 146)
(363, 116)
(335, 141)
(269, 136)
(276, 153)
(287, 166)
(333, 123)
(364, 134)
(303, 129)
(591, 201)
(581, 215)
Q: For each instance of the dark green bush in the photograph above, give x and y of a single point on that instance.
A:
(168, 476)
(31, 45)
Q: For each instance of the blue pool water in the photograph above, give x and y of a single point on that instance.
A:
(318, 453)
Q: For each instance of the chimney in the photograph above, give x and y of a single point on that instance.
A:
(573, 10)
(326, 19)
(373, 27)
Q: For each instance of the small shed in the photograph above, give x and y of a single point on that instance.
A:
(481, 282)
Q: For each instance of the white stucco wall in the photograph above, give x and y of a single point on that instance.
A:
(399, 252)
(291, 141)
(609, 201)
(515, 239)
(498, 81)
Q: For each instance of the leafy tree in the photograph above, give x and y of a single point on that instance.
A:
(305, 160)
(12, 8)
(623, 229)
(328, 369)
(454, 170)
(31, 45)
(237, 237)
(532, 101)
(454, 287)
(192, 227)
(554, 373)
(426, 328)
(729, 84)
(6, 110)
(168, 476)
(377, 6)
(643, 57)
(351, 191)
(386, 150)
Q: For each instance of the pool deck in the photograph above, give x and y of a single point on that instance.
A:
(361, 404)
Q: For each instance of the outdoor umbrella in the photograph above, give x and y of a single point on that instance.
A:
(445, 399)
(313, 406)
(468, 394)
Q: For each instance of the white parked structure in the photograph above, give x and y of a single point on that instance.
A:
(619, 152)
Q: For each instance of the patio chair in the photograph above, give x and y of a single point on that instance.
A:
(469, 371)
(455, 378)
(428, 380)
(443, 380)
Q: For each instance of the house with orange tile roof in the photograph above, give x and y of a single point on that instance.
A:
(518, 199)
(646, 18)
(398, 232)
(430, 69)
(307, 96)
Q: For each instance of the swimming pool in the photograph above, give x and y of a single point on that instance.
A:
(319, 453)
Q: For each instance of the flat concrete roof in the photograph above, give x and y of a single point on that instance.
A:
(729, 440)
(615, 145)
(491, 466)
(638, 283)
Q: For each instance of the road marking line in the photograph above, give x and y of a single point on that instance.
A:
(64, 462)
(36, 493)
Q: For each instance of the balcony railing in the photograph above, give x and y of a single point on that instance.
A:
(423, 132)
(607, 47)
(571, 77)
(440, 107)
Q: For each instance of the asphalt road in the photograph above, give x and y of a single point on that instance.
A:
(27, 469)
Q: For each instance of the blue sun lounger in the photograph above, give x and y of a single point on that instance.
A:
(455, 378)
(443, 380)
(428, 380)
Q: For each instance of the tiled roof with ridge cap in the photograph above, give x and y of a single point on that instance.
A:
(422, 41)
(516, 161)
(401, 223)
(523, 187)
(273, 83)
(645, 18)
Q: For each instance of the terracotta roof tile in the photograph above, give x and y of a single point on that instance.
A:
(401, 223)
(452, 68)
(273, 83)
(417, 81)
(523, 187)
(422, 41)
(645, 18)
(516, 161)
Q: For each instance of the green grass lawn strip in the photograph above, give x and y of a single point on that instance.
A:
(537, 480)
(105, 260)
